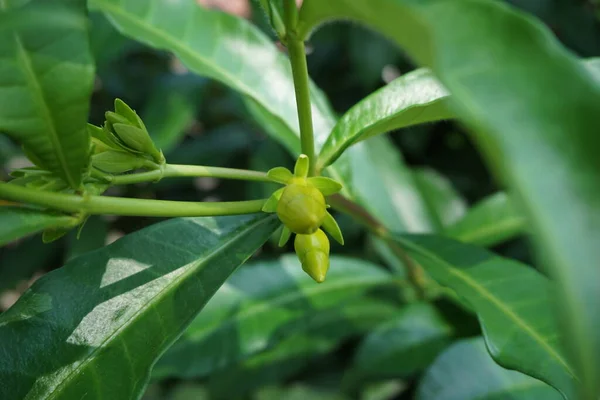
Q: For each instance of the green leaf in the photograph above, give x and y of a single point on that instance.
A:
(222, 47)
(443, 201)
(99, 323)
(411, 99)
(514, 304)
(489, 222)
(542, 146)
(403, 345)
(268, 302)
(17, 222)
(45, 84)
(375, 175)
(466, 372)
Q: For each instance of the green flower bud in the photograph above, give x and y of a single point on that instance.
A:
(301, 208)
(313, 252)
(116, 162)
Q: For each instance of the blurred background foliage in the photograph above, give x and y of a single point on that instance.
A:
(199, 121)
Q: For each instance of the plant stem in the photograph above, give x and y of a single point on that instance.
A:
(125, 206)
(297, 54)
(180, 171)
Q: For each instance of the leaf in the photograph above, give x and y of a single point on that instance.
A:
(444, 203)
(45, 85)
(489, 222)
(265, 303)
(222, 47)
(478, 378)
(541, 146)
(375, 175)
(18, 222)
(401, 346)
(100, 322)
(411, 99)
(514, 304)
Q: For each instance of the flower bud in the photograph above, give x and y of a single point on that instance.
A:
(301, 208)
(313, 252)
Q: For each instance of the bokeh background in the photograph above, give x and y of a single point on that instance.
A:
(199, 121)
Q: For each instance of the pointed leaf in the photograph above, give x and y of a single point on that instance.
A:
(327, 186)
(411, 99)
(301, 167)
(271, 203)
(45, 85)
(331, 226)
(18, 222)
(268, 302)
(478, 378)
(280, 175)
(489, 222)
(540, 145)
(514, 304)
(100, 322)
(285, 236)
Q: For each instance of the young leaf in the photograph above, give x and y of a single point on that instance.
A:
(505, 102)
(99, 323)
(18, 222)
(489, 222)
(466, 372)
(45, 86)
(412, 99)
(514, 304)
(271, 301)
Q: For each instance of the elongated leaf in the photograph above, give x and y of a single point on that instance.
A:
(466, 372)
(402, 346)
(17, 222)
(414, 98)
(445, 204)
(45, 84)
(323, 334)
(219, 46)
(542, 146)
(514, 304)
(269, 302)
(489, 222)
(99, 323)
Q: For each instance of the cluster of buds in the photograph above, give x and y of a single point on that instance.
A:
(123, 144)
(302, 209)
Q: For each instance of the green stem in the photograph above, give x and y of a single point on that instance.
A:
(297, 54)
(124, 206)
(180, 171)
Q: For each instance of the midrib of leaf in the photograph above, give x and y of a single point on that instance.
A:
(289, 298)
(181, 47)
(194, 266)
(496, 302)
(38, 94)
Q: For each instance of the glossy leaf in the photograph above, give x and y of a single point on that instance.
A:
(541, 146)
(514, 304)
(222, 47)
(45, 85)
(489, 222)
(402, 346)
(102, 320)
(17, 222)
(411, 99)
(268, 302)
(466, 372)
